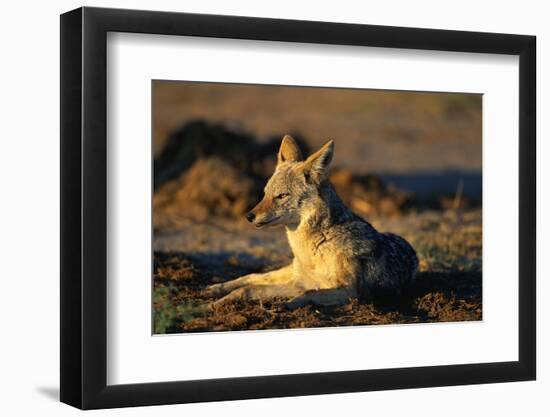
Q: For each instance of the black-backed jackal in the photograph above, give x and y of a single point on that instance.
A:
(337, 255)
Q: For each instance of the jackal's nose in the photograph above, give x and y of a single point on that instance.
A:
(250, 216)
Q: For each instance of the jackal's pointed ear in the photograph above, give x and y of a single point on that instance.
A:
(316, 167)
(289, 151)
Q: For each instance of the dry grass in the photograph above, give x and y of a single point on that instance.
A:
(448, 287)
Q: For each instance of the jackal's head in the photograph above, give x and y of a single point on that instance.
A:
(294, 186)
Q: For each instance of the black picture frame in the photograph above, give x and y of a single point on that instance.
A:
(84, 207)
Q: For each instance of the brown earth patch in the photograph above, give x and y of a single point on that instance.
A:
(436, 297)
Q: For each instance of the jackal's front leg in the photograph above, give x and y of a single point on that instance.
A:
(260, 293)
(278, 277)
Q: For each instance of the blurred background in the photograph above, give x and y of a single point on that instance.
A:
(409, 162)
(432, 139)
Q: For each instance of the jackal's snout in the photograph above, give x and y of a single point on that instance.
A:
(250, 216)
(262, 214)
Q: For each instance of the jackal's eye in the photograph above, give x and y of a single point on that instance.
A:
(281, 196)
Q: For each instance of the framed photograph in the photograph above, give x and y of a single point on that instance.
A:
(257, 208)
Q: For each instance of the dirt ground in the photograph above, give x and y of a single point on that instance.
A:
(448, 286)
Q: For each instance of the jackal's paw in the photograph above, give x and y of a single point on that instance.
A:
(235, 295)
(215, 290)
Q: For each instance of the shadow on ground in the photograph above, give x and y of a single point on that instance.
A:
(50, 392)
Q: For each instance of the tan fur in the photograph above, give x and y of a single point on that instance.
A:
(316, 259)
